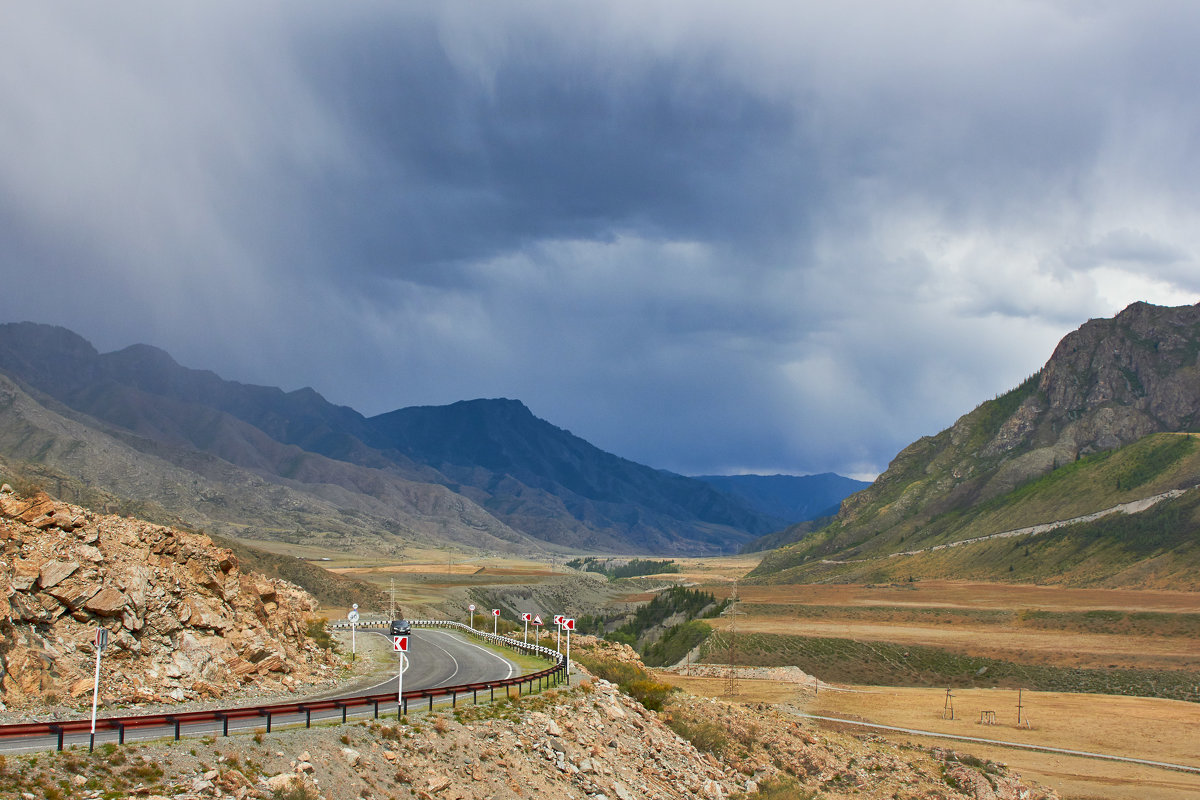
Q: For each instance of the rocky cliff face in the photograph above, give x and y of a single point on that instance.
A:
(184, 622)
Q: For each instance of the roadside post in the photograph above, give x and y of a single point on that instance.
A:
(569, 624)
(400, 645)
(471, 608)
(537, 629)
(101, 642)
(558, 621)
(495, 622)
(526, 617)
(353, 617)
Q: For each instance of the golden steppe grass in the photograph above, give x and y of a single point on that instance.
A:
(1137, 727)
(1154, 729)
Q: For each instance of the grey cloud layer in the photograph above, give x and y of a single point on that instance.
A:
(778, 237)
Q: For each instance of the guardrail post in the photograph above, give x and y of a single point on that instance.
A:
(475, 696)
(59, 729)
(454, 699)
(224, 723)
(176, 721)
(376, 709)
(431, 703)
(120, 733)
(268, 721)
(307, 717)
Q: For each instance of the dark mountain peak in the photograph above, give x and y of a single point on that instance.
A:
(45, 356)
(528, 474)
(36, 338)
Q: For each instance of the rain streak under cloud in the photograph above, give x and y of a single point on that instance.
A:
(776, 237)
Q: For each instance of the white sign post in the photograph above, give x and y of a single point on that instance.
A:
(471, 608)
(101, 642)
(400, 645)
(558, 621)
(495, 622)
(353, 617)
(526, 616)
(569, 624)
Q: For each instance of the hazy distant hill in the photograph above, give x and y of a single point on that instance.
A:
(789, 498)
(1102, 424)
(484, 472)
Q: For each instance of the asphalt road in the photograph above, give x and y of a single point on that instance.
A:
(436, 658)
(440, 658)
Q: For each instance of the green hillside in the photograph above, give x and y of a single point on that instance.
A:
(1159, 546)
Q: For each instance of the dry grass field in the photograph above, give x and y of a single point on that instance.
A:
(1159, 730)
(1030, 624)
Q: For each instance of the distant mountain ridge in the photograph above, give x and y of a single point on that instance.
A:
(483, 472)
(789, 498)
(1110, 387)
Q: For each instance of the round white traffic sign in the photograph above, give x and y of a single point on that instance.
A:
(471, 607)
(352, 616)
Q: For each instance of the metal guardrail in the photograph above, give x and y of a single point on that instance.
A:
(547, 677)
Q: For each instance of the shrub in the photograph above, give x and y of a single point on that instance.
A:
(707, 736)
(317, 631)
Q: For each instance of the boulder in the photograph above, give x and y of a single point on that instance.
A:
(25, 574)
(107, 602)
(75, 592)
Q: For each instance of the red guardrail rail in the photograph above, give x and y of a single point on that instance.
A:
(548, 676)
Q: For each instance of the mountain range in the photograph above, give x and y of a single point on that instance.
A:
(1085, 473)
(135, 431)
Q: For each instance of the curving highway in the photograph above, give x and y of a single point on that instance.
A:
(437, 658)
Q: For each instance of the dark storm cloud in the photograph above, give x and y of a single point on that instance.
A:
(776, 237)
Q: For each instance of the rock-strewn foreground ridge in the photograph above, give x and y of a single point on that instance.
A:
(184, 621)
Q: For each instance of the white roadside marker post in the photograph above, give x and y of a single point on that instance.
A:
(101, 642)
(558, 621)
(400, 645)
(526, 616)
(495, 622)
(471, 608)
(353, 617)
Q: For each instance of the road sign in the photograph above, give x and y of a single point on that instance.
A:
(400, 644)
(558, 618)
(526, 616)
(353, 617)
(471, 607)
(101, 640)
(569, 624)
(495, 612)
(537, 620)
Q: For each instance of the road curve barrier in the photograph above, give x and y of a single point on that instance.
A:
(57, 731)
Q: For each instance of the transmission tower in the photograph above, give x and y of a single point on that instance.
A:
(731, 679)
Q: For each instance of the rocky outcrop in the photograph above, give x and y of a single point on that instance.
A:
(184, 622)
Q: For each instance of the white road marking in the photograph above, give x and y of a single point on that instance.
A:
(511, 666)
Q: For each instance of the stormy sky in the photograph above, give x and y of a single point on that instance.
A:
(711, 237)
